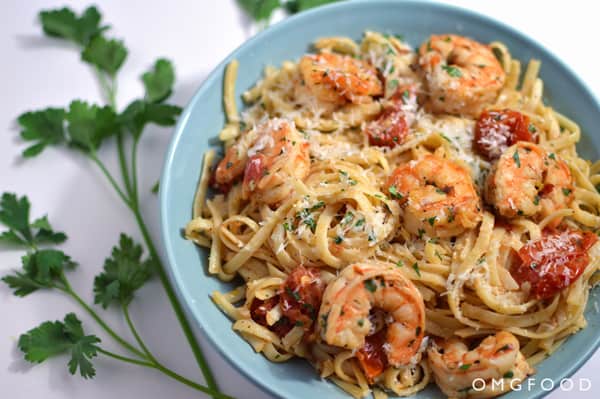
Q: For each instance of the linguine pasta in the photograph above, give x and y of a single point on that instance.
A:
(335, 206)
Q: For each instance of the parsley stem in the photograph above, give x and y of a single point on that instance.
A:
(177, 308)
(134, 184)
(109, 88)
(111, 180)
(165, 371)
(125, 359)
(69, 291)
(123, 164)
(211, 391)
(136, 335)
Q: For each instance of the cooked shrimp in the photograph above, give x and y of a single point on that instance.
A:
(461, 75)
(338, 79)
(496, 362)
(346, 317)
(528, 181)
(438, 196)
(267, 156)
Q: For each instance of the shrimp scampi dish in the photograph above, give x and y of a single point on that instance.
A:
(401, 214)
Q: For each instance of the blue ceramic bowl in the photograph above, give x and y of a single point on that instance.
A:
(203, 119)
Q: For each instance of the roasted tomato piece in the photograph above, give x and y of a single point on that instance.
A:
(372, 356)
(258, 312)
(553, 262)
(301, 295)
(495, 131)
(391, 127)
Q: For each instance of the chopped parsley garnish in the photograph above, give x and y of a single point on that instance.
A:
(465, 366)
(348, 217)
(445, 137)
(338, 239)
(567, 191)
(361, 322)
(370, 285)
(318, 205)
(371, 236)
(532, 128)
(452, 71)
(517, 159)
(504, 348)
(292, 293)
(536, 200)
(508, 374)
(415, 266)
(360, 222)
(400, 263)
(395, 193)
(392, 84)
(287, 226)
(552, 156)
(431, 220)
(421, 232)
(498, 54)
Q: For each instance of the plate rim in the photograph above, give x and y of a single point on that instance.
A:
(177, 279)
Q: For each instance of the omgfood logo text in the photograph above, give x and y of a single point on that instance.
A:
(546, 384)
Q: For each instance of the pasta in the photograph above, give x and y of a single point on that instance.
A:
(401, 217)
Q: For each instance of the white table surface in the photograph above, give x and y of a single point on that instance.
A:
(196, 34)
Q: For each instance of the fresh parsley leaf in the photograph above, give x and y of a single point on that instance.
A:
(124, 273)
(259, 10)
(45, 234)
(508, 374)
(52, 338)
(465, 366)
(139, 113)
(159, 81)
(295, 6)
(64, 23)
(14, 214)
(40, 269)
(45, 127)
(106, 54)
(452, 71)
(567, 192)
(89, 125)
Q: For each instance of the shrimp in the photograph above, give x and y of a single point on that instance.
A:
(461, 75)
(338, 79)
(269, 156)
(438, 196)
(347, 315)
(528, 181)
(497, 362)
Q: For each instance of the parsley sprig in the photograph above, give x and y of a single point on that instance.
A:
(84, 127)
(123, 274)
(261, 10)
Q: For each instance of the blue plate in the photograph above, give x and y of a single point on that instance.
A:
(203, 119)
